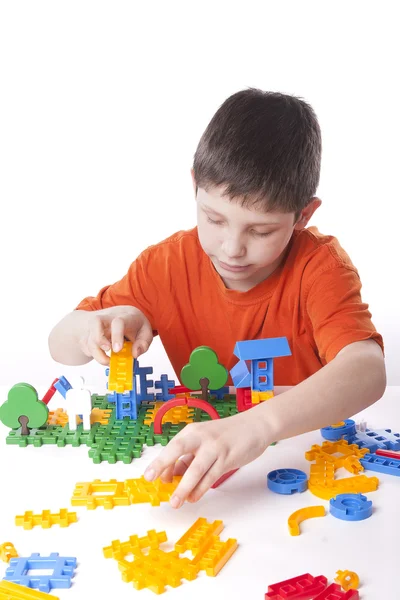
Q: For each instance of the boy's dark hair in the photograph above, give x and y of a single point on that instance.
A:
(265, 147)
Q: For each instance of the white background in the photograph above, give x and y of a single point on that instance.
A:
(102, 105)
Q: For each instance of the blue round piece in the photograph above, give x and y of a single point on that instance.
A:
(336, 433)
(287, 481)
(351, 507)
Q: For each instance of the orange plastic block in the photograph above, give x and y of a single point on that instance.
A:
(139, 490)
(329, 450)
(98, 415)
(348, 580)
(120, 378)
(119, 550)
(257, 397)
(13, 591)
(309, 512)
(7, 551)
(350, 485)
(100, 493)
(46, 519)
(198, 534)
(179, 414)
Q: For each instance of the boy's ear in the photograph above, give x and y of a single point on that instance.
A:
(307, 213)
(194, 182)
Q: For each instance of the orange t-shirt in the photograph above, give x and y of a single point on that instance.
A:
(313, 298)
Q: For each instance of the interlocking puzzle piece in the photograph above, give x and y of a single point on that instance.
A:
(21, 570)
(381, 464)
(119, 550)
(50, 392)
(287, 481)
(204, 371)
(23, 408)
(336, 432)
(7, 551)
(329, 452)
(301, 587)
(348, 485)
(351, 507)
(46, 519)
(78, 403)
(301, 515)
(257, 397)
(190, 402)
(144, 383)
(177, 415)
(333, 592)
(164, 384)
(13, 591)
(126, 404)
(139, 490)
(220, 393)
(62, 385)
(241, 376)
(374, 439)
(348, 580)
(120, 375)
(198, 534)
(100, 493)
(243, 399)
(388, 454)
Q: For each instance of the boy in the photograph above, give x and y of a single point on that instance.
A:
(249, 270)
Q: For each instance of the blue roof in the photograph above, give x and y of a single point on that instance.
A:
(259, 349)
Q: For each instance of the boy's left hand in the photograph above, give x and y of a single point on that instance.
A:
(203, 452)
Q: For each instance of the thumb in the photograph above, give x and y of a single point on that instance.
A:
(143, 339)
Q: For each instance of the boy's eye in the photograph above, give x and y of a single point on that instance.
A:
(213, 222)
(259, 234)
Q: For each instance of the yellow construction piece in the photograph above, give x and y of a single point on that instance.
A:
(139, 490)
(98, 415)
(340, 424)
(198, 534)
(120, 378)
(309, 512)
(329, 451)
(13, 591)
(119, 550)
(7, 552)
(100, 493)
(350, 485)
(257, 397)
(46, 519)
(348, 580)
(178, 414)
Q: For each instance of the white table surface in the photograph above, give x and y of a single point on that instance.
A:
(44, 478)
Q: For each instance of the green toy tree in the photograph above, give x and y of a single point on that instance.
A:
(23, 407)
(204, 371)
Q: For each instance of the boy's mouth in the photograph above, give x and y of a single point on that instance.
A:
(233, 268)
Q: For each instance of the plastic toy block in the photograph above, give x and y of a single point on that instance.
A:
(351, 507)
(165, 385)
(214, 555)
(262, 375)
(223, 478)
(179, 414)
(198, 535)
(119, 550)
(190, 402)
(302, 587)
(329, 451)
(336, 432)
(100, 493)
(301, 515)
(351, 485)
(120, 375)
(126, 404)
(348, 580)
(144, 383)
(381, 464)
(62, 385)
(388, 454)
(243, 399)
(180, 389)
(46, 519)
(381, 438)
(13, 591)
(287, 481)
(20, 571)
(220, 393)
(392, 440)
(50, 392)
(333, 592)
(241, 375)
(23, 409)
(353, 465)
(262, 349)
(203, 371)
(155, 492)
(7, 551)
(257, 397)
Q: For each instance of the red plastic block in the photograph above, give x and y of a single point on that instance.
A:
(302, 587)
(223, 478)
(179, 389)
(388, 454)
(243, 399)
(50, 392)
(191, 402)
(334, 592)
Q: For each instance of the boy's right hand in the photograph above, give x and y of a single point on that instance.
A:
(107, 329)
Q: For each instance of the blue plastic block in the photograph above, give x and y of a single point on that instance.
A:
(350, 507)
(336, 433)
(62, 386)
(262, 349)
(262, 377)
(381, 464)
(63, 570)
(287, 481)
(126, 404)
(145, 383)
(241, 375)
(164, 384)
(392, 439)
(373, 440)
(219, 394)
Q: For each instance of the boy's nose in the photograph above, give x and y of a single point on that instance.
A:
(233, 248)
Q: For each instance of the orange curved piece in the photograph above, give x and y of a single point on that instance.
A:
(301, 515)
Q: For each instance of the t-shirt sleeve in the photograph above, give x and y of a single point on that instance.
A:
(337, 313)
(137, 288)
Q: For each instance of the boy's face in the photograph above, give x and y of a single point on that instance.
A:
(244, 245)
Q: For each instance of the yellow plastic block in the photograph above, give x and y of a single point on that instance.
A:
(139, 490)
(178, 414)
(309, 512)
(348, 580)
(98, 415)
(257, 397)
(100, 493)
(353, 465)
(340, 424)
(46, 519)
(349, 485)
(120, 378)
(322, 472)
(329, 450)
(213, 555)
(57, 417)
(7, 551)
(198, 534)
(13, 591)
(119, 550)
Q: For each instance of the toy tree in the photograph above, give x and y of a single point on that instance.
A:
(204, 371)
(23, 408)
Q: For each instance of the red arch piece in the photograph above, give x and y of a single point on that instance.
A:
(192, 402)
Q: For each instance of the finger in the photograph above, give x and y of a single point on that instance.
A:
(195, 473)
(98, 354)
(182, 465)
(216, 471)
(99, 336)
(178, 446)
(167, 475)
(143, 339)
(117, 333)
